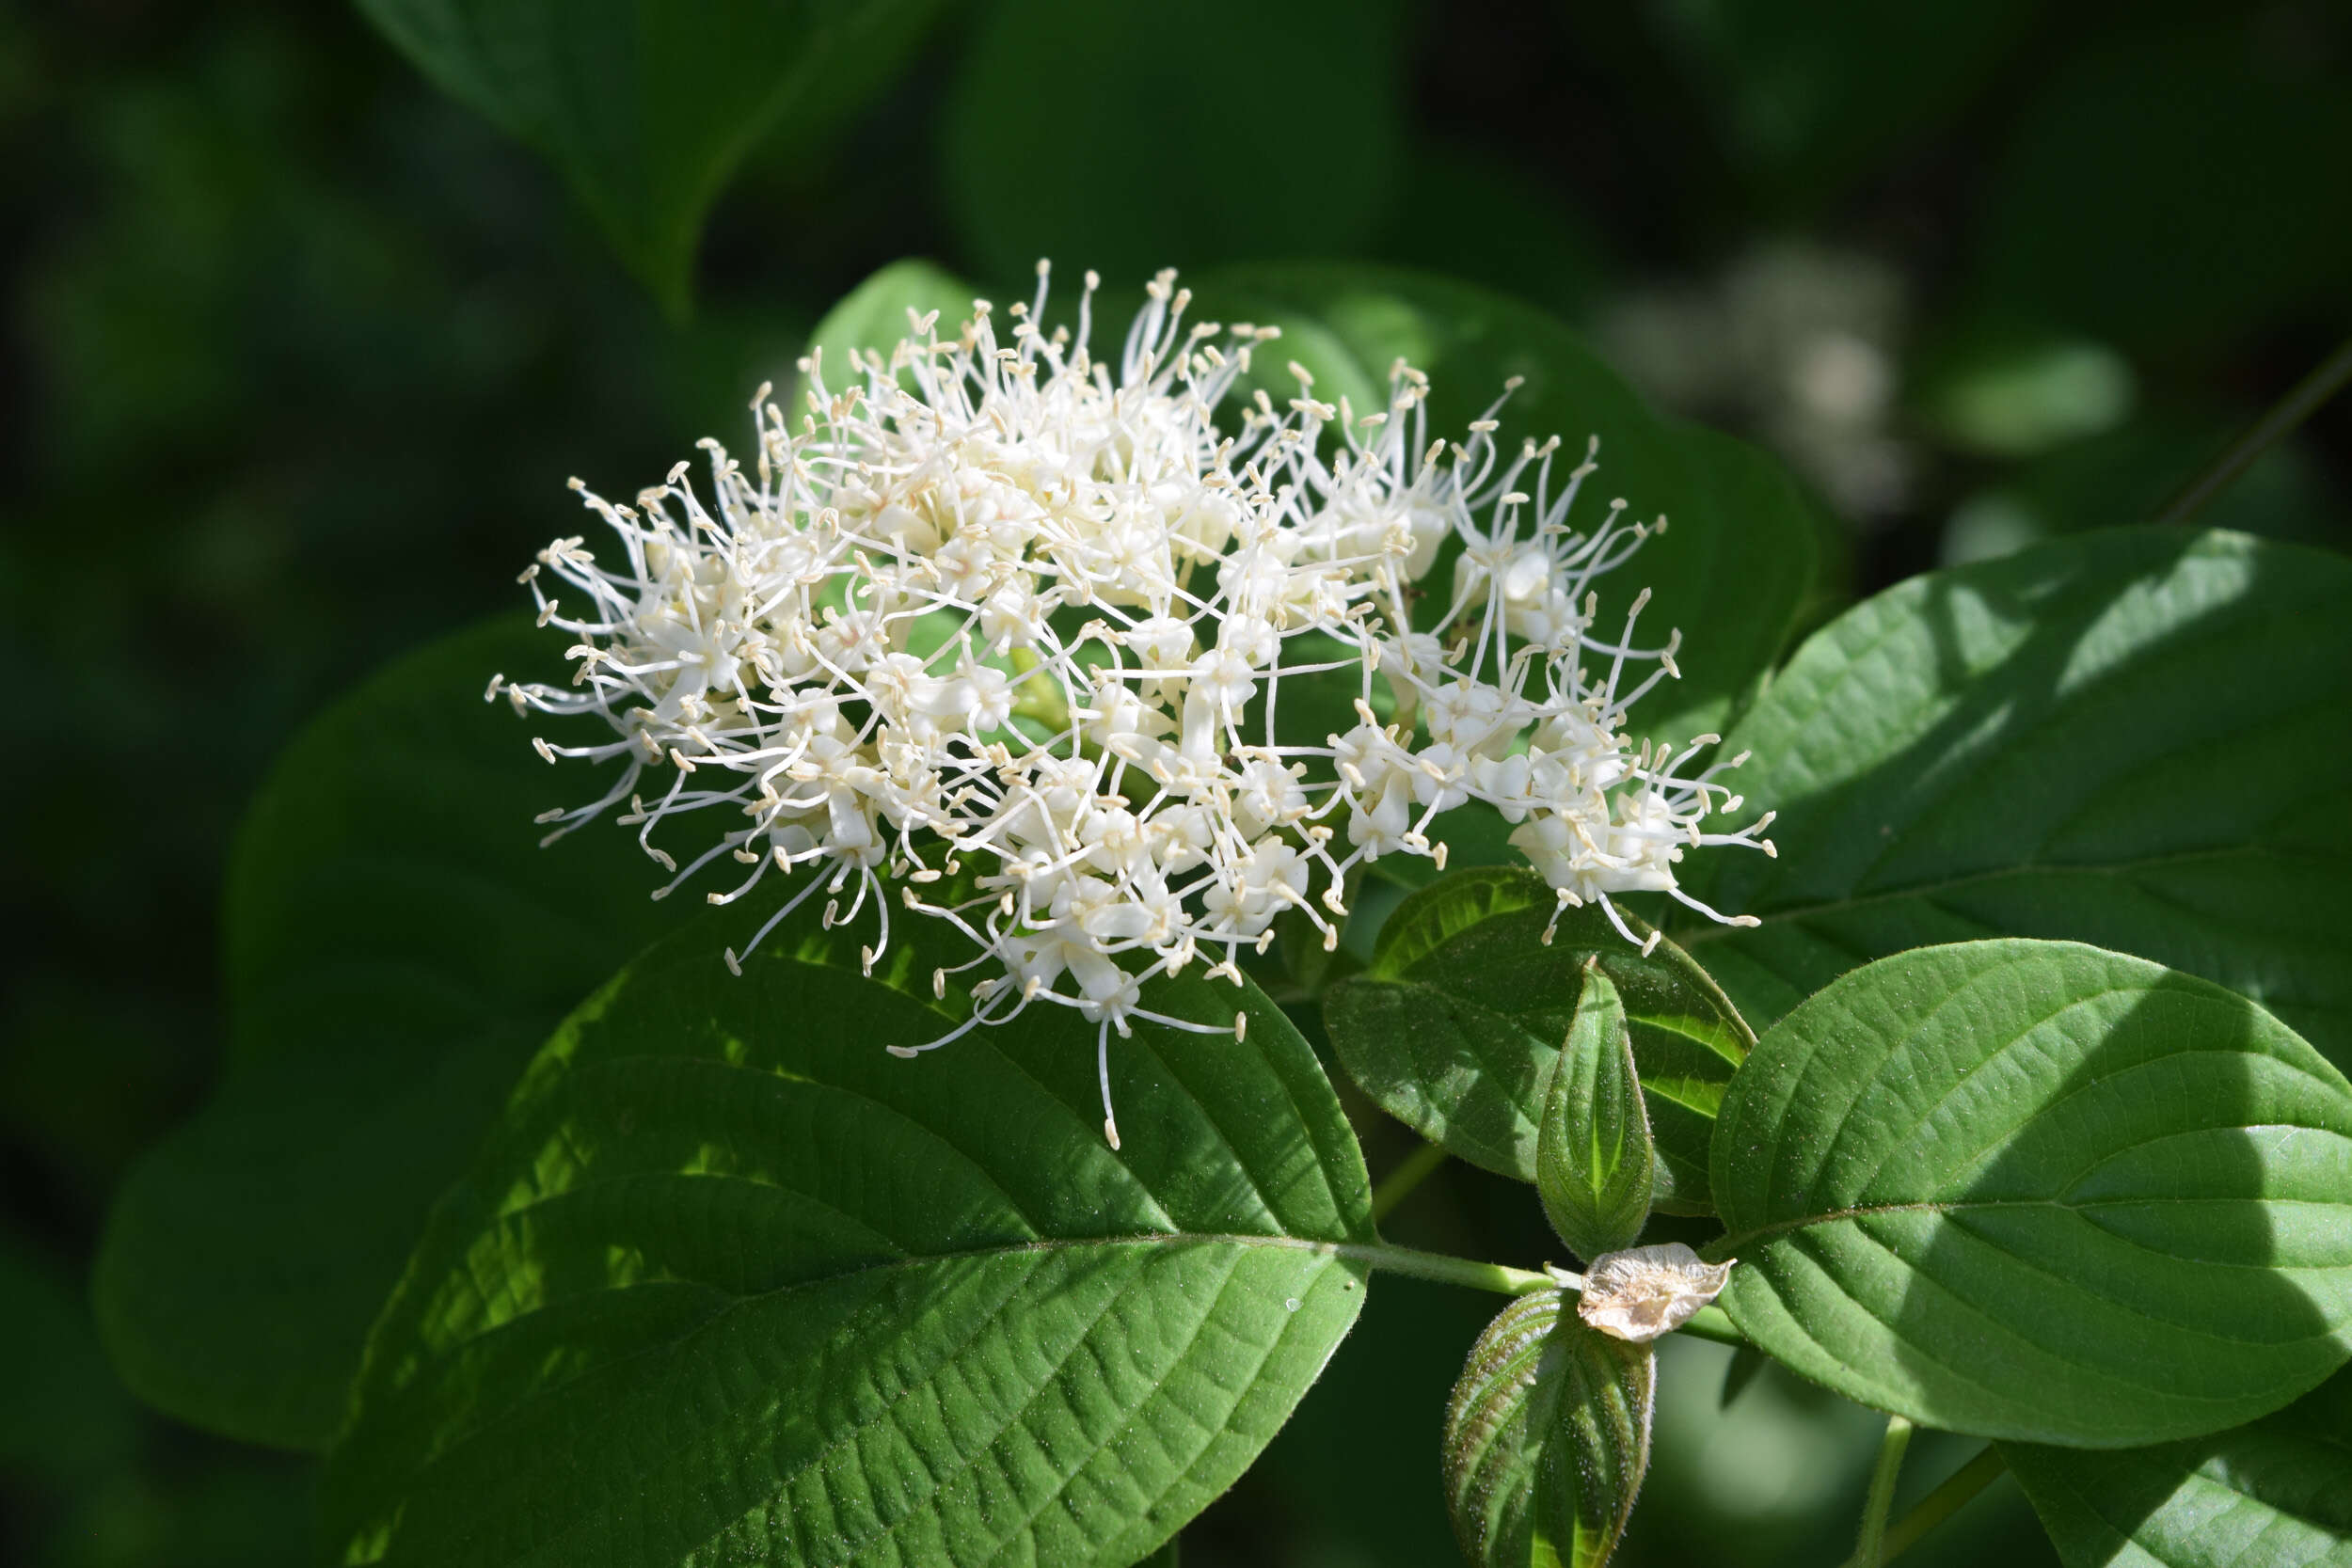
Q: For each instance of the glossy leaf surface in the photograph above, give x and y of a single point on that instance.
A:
(2134, 739)
(2034, 1190)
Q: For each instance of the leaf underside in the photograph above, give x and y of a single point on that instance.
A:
(1546, 1440)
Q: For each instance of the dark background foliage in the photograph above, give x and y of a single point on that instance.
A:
(298, 353)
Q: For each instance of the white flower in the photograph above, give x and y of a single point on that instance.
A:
(1013, 629)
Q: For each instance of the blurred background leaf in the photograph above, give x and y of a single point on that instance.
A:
(398, 945)
(646, 107)
(1127, 140)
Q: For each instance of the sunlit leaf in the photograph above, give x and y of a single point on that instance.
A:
(1593, 1156)
(2033, 1190)
(731, 1281)
(2131, 738)
(2270, 1495)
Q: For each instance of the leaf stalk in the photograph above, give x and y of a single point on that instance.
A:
(2301, 400)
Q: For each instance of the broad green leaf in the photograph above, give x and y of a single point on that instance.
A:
(398, 946)
(730, 1282)
(2275, 1493)
(1593, 1156)
(1546, 1440)
(647, 109)
(1125, 138)
(63, 1419)
(2134, 739)
(2032, 1190)
(1455, 1026)
(1737, 558)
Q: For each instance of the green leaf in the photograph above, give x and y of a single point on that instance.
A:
(872, 317)
(1737, 560)
(65, 1422)
(1593, 1156)
(2032, 1190)
(2002, 391)
(730, 1282)
(1454, 1026)
(1546, 1440)
(398, 946)
(2269, 1495)
(2134, 739)
(1123, 138)
(647, 109)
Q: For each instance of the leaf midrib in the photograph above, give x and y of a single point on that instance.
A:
(1367, 1253)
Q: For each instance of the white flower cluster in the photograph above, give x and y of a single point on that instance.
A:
(1102, 685)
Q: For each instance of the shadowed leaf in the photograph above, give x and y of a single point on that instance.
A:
(1455, 1026)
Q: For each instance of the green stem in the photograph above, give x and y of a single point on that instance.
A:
(1713, 1322)
(2299, 403)
(1708, 1323)
(1410, 1172)
(1870, 1550)
(1939, 1505)
(1498, 1278)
